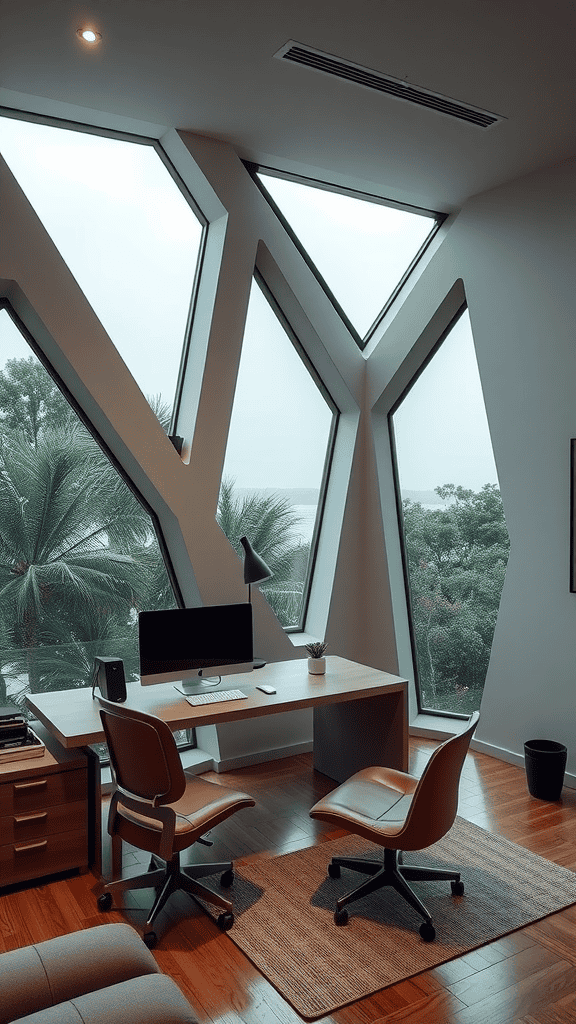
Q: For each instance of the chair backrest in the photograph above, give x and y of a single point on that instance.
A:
(143, 754)
(435, 801)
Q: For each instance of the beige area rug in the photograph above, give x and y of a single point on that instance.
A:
(284, 915)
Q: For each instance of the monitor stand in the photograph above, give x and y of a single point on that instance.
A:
(197, 685)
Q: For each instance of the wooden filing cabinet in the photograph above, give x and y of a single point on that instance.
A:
(43, 813)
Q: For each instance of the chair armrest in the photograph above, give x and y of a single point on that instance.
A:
(142, 813)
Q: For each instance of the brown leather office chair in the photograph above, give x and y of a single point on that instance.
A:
(399, 812)
(157, 808)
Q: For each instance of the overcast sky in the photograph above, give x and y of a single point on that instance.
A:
(441, 431)
(131, 240)
(362, 249)
(126, 232)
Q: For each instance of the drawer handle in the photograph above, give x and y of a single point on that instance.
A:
(35, 784)
(21, 819)
(25, 847)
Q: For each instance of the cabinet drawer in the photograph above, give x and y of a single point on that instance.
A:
(17, 828)
(37, 857)
(40, 791)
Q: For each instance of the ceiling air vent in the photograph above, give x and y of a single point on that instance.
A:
(329, 65)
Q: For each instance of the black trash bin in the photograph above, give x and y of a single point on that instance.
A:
(545, 762)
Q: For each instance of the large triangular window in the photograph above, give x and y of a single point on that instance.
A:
(128, 235)
(362, 249)
(279, 446)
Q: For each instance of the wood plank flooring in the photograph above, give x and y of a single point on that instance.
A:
(528, 977)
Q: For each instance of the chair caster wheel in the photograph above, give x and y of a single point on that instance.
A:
(334, 870)
(427, 931)
(227, 878)
(457, 888)
(340, 917)
(225, 922)
(104, 901)
(150, 939)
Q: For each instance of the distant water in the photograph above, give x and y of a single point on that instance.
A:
(305, 528)
(303, 501)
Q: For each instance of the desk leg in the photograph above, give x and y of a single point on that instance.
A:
(94, 811)
(95, 847)
(356, 734)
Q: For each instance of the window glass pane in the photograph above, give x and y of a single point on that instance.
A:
(455, 537)
(127, 233)
(78, 553)
(361, 248)
(277, 448)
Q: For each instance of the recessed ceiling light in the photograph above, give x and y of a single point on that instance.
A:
(88, 35)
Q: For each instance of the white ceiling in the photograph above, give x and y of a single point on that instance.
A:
(208, 66)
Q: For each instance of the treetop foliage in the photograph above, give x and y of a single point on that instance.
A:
(78, 555)
(30, 400)
(457, 556)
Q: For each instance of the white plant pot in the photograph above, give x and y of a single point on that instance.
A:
(316, 666)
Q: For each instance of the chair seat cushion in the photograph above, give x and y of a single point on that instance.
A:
(373, 803)
(203, 805)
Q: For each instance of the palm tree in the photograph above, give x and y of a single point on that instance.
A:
(75, 556)
(268, 521)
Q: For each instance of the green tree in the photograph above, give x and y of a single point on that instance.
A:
(30, 400)
(268, 521)
(75, 557)
(457, 558)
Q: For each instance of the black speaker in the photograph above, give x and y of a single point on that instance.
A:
(109, 677)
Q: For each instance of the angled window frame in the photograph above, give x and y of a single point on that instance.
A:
(432, 712)
(268, 293)
(155, 144)
(438, 219)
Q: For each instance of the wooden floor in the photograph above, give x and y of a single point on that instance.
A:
(528, 977)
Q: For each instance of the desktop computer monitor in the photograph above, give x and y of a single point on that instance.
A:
(198, 644)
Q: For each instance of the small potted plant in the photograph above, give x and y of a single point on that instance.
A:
(316, 660)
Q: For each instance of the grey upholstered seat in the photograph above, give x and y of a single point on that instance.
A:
(92, 976)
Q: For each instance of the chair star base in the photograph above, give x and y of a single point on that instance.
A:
(391, 871)
(170, 879)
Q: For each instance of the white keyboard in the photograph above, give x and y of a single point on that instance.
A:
(215, 697)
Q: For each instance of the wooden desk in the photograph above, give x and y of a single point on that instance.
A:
(360, 717)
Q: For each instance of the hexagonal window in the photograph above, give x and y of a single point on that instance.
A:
(452, 522)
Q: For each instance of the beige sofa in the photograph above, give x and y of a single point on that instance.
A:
(96, 976)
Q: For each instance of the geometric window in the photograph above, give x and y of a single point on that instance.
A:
(128, 235)
(455, 540)
(279, 445)
(361, 249)
(79, 555)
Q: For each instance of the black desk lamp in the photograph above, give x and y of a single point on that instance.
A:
(255, 571)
